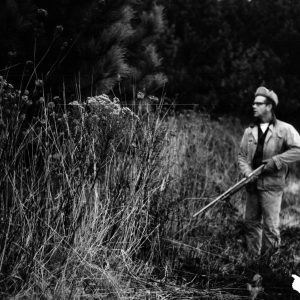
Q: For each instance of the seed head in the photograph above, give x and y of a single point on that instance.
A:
(75, 103)
(153, 98)
(140, 95)
(59, 29)
(41, 100)
(12, 53)
(116, 100)
(38, 83)
(42, 12)
(51, 105)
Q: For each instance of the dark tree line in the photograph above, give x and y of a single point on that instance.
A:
(95, 43)
(214, 52)
(223, 49)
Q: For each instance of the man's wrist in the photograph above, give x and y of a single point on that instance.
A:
(277, 162)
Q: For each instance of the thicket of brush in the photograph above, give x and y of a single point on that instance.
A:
(78, 195)
(96, 200)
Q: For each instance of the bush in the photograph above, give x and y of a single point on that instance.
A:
(76, 196)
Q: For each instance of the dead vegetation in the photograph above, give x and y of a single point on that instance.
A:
(97, 203)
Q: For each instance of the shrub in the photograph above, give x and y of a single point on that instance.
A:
(77, 194)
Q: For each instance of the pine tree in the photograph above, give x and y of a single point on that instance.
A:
(149, 26)
(99, 42)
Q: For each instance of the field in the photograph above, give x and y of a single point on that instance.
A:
(97, 203)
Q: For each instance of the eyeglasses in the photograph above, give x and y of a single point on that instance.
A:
(258, 103)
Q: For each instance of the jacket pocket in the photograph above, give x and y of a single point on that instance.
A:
(275, 181)
(274, 146)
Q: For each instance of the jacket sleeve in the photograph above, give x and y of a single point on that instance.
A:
(244, 166)
(292, 154)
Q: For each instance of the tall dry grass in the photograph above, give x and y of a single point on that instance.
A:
(79, 193)
(207, 250)
(201, 157)
(96, 200)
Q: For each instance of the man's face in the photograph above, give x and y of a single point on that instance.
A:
(260, 108)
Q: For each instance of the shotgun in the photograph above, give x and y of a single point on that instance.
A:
(232, 190)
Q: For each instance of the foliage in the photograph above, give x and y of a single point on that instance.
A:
(218, 52)
(214, 53)
(78, 185)
(96, 200)
(100, 43)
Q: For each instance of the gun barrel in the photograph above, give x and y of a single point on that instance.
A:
(231, 190)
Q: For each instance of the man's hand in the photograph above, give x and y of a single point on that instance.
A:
(270, 166)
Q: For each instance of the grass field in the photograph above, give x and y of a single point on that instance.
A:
(97, 203)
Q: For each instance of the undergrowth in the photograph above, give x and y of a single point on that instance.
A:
(78, 195)
(97, 202)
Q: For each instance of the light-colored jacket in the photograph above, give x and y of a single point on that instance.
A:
(282, 144)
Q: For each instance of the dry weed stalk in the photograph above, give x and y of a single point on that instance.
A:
(78, 197)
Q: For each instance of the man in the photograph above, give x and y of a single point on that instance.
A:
(276, 144)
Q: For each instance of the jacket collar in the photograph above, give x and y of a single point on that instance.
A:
(270, 132)
(254, 129)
